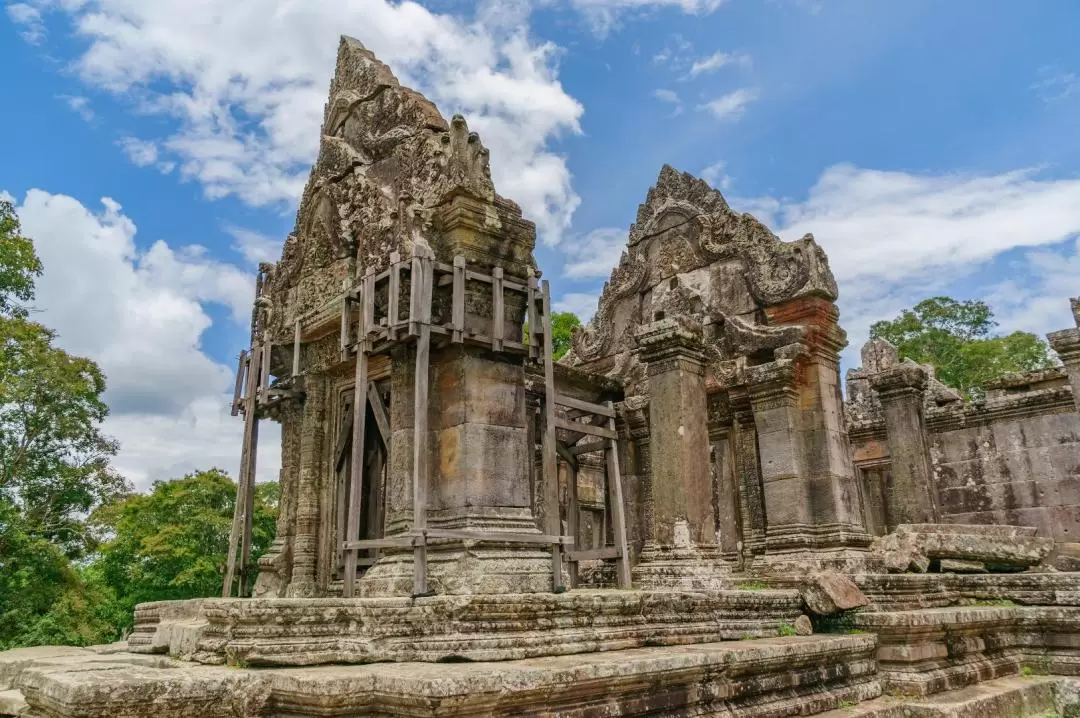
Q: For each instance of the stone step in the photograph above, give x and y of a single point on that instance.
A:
(752, 678)
(12, 703)
(1000, 698)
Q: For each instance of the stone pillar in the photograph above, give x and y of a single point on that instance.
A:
(835, 504)
(477, 445)
(912, 498)
(275, 566)
(680, 551)
(1067, 345)
(748, 474)
(773, 397)
(306, 543)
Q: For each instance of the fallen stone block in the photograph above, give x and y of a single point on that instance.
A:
(830, 592)
(914, 547)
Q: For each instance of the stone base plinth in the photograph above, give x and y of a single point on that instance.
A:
(681, 569)
(907, 591)
(455, 569)
(438, 628)
(793, 567)
(926, 651)
(751, 679)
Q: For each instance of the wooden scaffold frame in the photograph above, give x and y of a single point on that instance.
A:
(378, 332)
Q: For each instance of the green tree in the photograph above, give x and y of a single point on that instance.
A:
(54, 458)
(172, 543)
(43, 598)
(958, 339)
(562, 327)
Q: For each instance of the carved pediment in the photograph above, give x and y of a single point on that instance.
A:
(684, 228)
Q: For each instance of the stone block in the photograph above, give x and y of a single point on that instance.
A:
(998, 547)
(829, 592)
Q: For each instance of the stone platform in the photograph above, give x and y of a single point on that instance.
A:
(763, 677)
(299, 632)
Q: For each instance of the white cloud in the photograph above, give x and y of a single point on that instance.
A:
(141, 152)
(1055, 84)
(604, 14)
(672, 98)
(732, 105)
(594, 254)
(582, 304)
(141, 315)
(79, 105)
(716, 176)
(717, 60)
(894, 238)
(247, 90)
(253, 246)
(29, 17)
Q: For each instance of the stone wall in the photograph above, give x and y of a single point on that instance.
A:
(1011, 459)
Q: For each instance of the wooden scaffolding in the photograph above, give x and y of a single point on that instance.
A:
(400, 316)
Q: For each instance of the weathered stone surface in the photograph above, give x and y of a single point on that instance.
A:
(803, 627)
(764, 677)
(482, 628)
(956, 565)
(829, 592)
(914, 546)
(12, 703)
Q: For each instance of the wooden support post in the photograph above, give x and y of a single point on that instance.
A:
(553, 524)
(356, 463)
(251, 429)
(421, 282)
(378, 410)
(344, 343)
(498, 309)
(394, 313)
(458, 306)
(264, 376)
(415, 294)
(534, 348)
(296, 350)
(249, 480)
(241, 372)
(573, 518)
(618, 515)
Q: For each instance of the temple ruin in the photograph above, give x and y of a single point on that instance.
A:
(681, 517)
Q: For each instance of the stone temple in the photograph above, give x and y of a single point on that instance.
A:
(682, 517)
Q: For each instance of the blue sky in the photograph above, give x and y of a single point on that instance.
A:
(930, 147)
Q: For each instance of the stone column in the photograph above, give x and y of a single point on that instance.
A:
(748, 474)
(306, 543)
(1067, 345)
(773, 397)
(912, 498)
(835, 504)
(680, 551)
(477, 446)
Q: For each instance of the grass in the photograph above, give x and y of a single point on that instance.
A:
(845, 705)
(752, 586)
(786, 629)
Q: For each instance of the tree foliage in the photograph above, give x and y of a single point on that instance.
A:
(958, 339)
(172, 542)
(562, 328)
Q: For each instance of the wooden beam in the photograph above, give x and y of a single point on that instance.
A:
(573, 518)
(343, 341)
(585, 406)
(389, 542)
(241, 373)
(593, 554)
(251, 424)
(591, 429)
(378, 409)
(359, 421)
(496, 537)
(553, 522)
(393, 315)
(343, 442)
(498, 309)
(421, 282)
(618, 513)
(458, 306)
(534, 352)
(564, 452)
